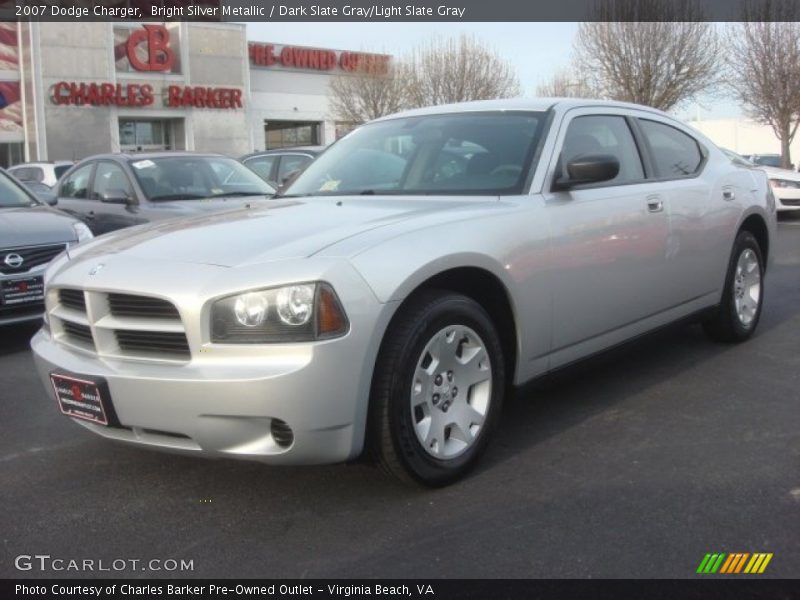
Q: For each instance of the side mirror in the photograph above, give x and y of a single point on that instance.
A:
(590, 168)
(290, 176)
(49, 197)
(115, 197)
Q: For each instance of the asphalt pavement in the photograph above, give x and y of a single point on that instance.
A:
(636, 464)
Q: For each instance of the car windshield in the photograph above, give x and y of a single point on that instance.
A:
(197, 177)
(465, 153)
(768, 161)
(12, 195)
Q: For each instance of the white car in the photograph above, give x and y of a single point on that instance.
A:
(785, 183)
(47, 173)
(785, 187)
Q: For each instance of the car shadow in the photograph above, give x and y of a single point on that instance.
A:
(17, 337)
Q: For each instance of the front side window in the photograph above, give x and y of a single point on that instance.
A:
(12, 195)
(675, 153)
(197, 177)
(110, 181)
(466, 153)
(77, 184)
(603, 134)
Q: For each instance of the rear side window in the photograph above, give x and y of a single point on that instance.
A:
(28, 174)
(604, 134)
(675, 153)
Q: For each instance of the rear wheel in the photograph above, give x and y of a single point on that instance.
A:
(437, 390)
(736, 317)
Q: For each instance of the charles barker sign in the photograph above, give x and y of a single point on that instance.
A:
(150, 49)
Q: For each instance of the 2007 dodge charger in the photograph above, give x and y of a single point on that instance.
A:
(390, 298)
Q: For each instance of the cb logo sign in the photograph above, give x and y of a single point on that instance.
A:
(160, 57)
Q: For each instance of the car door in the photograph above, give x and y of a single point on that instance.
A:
(678, 161)
(116, 204)
(73, 194)
(608, 239)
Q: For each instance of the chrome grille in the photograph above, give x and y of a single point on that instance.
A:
(81, 334)
(155, 342)
(73, 299)
(32, 256)
(118, 325)
(128, 305)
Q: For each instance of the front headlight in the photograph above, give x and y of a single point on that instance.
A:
(302, 312)
(82, 231)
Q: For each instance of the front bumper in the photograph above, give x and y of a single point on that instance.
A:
(225, 410)
(222, 402)
(787, 199)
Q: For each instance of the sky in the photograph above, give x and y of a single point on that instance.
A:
(536, 50)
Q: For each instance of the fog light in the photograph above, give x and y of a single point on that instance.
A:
(281, 433)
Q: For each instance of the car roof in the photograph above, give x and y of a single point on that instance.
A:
(521, 104)
(132, 157)
(42, 163)
(286, 150)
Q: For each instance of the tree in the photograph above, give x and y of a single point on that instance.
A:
(764, 67)
(368, 93)
(458, 70)
(567, 83)
(652, 52)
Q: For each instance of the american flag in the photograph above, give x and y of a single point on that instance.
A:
(10, 95)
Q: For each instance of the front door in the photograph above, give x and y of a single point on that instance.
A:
(609, 241)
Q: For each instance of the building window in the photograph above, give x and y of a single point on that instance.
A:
(285, 134)
(137, 135)
(12, 154)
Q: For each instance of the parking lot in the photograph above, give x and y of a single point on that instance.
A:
(636, 464)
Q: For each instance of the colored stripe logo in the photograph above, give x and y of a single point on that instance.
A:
(734, 563)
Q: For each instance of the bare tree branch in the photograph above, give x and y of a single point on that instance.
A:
(764, 66)
(458, 70)
(567, 83)
(652, 52)
(368, 93)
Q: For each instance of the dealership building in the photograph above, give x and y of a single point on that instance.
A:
(68, 91)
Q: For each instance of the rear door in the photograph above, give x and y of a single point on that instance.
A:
(679, 165)
(609, 239)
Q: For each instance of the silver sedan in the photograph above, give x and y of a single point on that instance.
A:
(415, 272)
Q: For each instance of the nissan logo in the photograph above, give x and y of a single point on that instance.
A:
(14, 260)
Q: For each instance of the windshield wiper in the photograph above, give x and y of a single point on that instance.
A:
(177, 197)
(239, 194)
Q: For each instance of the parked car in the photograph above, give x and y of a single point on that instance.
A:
(43, 192)
(112, 191)
(785, 183)
(278, 166)
(31, 235)
(47, 173)
(389, 307)
(766, 160)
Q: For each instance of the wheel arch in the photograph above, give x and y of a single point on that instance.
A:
(757, 225)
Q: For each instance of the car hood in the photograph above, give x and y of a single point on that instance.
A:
(776, 173)
(34, 226)
(207, 205)
(294, 228)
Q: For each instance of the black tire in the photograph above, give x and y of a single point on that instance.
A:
(725, 325)
(393, 437)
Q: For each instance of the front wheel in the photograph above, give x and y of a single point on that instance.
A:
(438, 388)
(736, 317)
